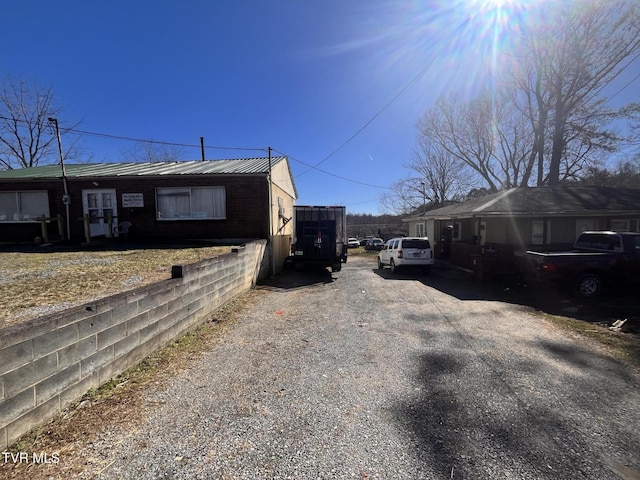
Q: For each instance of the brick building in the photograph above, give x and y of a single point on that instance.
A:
(217, 199)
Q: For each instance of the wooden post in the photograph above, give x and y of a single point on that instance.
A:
(60, 226)
(43, 228)
(87, 232)
(109, 226)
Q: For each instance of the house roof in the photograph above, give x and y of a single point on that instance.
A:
(563, 200)
(242, 166)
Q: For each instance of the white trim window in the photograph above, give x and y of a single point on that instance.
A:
(537, 232)
(191, 203)
(23, 206)
(456, 234)
(620, 225)
(420, 229)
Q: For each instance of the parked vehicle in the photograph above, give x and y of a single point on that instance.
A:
(598, 260)
(319, 237)
(353, 243)
(406, 252)
(374, 244)
(363, 242)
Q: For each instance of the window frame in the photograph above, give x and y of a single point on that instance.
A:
(32, 218)
(456, 231)
(626, 228)
(191, 214)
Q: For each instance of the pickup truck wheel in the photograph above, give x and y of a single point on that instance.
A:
(589, 285)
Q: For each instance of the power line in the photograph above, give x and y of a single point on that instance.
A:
(331, 174)
(159, 142)
(371, 120)
(144, 140)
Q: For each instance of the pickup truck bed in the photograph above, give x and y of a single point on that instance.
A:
(599, 260)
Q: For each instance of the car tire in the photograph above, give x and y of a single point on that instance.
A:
(392, 266)
(380, 265)
(589, 285)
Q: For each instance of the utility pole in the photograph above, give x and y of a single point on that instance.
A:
(271, 236)
(202, 147)
(66, 198)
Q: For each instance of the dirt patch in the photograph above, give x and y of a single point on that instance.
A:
(33, 284)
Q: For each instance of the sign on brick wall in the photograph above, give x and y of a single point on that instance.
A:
(132, 200)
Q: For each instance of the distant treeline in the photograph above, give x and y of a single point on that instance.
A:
(361, 225)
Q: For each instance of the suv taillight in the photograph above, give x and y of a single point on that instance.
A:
(399, 253)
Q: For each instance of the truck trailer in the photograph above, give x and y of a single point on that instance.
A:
(319, 237)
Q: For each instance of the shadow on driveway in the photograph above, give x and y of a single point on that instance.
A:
(294, 279)
(472, 420)
(614, 304)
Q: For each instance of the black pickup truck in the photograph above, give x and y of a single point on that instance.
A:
(597, 260)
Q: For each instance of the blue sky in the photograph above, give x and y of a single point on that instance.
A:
(302, 77)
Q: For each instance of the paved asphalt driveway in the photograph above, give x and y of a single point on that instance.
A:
(372, 375)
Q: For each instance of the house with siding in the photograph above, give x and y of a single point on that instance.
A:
(230, 200)
(498, 228)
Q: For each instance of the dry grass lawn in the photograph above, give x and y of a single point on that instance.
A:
(38, 283)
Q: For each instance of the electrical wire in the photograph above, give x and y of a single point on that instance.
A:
(311, 167)
(414, 79)
(159, 142)
(144, 140)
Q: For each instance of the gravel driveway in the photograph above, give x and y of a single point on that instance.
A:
(372, 375)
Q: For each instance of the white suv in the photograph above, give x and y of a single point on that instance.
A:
(406, 252)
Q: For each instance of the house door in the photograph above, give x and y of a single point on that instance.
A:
(100, 205)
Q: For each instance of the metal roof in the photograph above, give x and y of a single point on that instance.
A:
(241, 166)
(550, 201)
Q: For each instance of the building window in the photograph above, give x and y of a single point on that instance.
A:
(620, 225)
(23, 206)
(537, 233)
(456, 233)
(419, 229)
(585, 225)
(191, 203)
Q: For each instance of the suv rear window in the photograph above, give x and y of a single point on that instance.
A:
(421, 244)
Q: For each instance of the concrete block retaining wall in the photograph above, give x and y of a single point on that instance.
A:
(48, 363)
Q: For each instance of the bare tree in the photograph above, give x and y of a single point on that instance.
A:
(152, 152)
(463, 131)
(487, 136)
(26, 138)
(404, 198)
(570, 56)
(441, 176)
